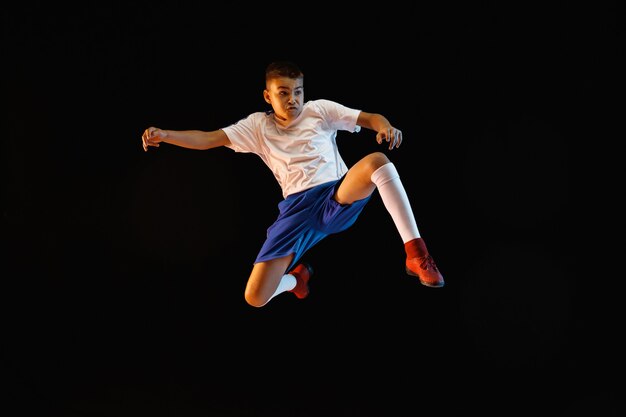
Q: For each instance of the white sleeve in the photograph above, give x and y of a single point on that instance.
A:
(339, 116)
(244, 134)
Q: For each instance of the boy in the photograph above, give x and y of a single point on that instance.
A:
(296, 140)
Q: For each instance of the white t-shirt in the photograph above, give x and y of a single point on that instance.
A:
(303, 154)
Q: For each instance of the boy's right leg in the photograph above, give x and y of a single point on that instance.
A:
(302, 273)
(268, 279)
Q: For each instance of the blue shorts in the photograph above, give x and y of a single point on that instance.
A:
(305, 218)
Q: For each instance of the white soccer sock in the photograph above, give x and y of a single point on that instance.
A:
(287, 283)
(396, 201)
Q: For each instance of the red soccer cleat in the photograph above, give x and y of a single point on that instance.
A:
(426, 270)
(420, 264)
(303, 273)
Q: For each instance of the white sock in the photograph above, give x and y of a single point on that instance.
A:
(287, 283)
(396, 201)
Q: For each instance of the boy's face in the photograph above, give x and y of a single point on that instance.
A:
(286, 96)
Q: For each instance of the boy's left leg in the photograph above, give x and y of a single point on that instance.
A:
(419, 263)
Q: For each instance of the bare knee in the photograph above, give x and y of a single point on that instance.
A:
(375, 160)
(255, 297)
(264, 280)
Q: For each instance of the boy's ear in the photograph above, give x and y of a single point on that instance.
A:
(266, 96)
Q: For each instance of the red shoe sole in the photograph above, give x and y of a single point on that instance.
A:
(428, 284)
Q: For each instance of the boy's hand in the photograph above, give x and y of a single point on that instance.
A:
(152, 136)
(391, 135)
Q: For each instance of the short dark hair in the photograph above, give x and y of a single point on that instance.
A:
(279, 69)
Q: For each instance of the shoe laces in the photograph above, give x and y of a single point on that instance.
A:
(428, 263)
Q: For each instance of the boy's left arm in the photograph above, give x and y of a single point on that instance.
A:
(383, 128)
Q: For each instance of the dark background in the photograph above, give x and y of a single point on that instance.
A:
(123, 271)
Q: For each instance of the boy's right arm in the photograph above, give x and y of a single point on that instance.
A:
(192, 139)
